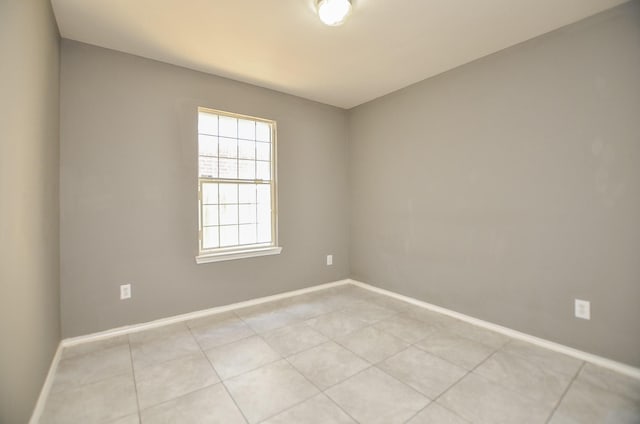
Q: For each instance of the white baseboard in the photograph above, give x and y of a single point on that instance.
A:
(46, 387)
(557, 347)
(196, 314)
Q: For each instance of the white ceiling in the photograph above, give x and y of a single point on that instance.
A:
(281, 44)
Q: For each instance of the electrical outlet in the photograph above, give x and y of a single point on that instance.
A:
(329, 260)
(125, 291)
(583, 309)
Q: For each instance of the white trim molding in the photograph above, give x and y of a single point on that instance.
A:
(619, 367)
(229, 256)
(46, 387)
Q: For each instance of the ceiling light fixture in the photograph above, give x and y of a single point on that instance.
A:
(333, 12)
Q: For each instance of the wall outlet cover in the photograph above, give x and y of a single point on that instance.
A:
(125, 291)
(329, 260)
(582, 309)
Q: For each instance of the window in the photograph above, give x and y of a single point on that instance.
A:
(236, 186)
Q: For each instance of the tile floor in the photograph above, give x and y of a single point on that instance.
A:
(341, 355)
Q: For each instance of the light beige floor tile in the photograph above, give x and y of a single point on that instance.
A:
(269, 390)
(481, 401)
(211, 405)
(130, 419)
(437, 414)
(386, 301)
(327, 364)
(429, 317)
(405, 328)
(89, 347)
(172, 379)
(317, 410)
(455, 348)
(267, 317)
(219, 329)
(336, 324)
(293, 339)
(586, 403)
(527, 378)
(426, 373)
(544, 357)
(373, 344)
(611, 381)
(368, 312)
(161, 345)
(374, 397)
(478, 334)
(239, 357)
(307, 306)
(105, 400)
(91, 367)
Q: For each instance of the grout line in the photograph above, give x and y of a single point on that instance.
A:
(135, 384)
(564, 393)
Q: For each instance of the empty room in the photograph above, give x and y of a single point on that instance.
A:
(319, 211)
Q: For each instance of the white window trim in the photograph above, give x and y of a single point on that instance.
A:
(249, 251)
(239, 254)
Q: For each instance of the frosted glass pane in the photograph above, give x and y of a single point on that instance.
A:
(207, 123)
(208, 145)
(264, 233)
(208, 167)
(228, 168)
(264, 214)
(210, 215)
(209, 193)
(248, 234)
(228, 147)
(228, 214)
(247, 193)
(263, 131)
(229, 236)
(247, 169)
(246, 149)
(228, 127)
(210, 237)
(246, 129)
(263, 170)
(228, 193)
(247, 214)
(263, 151)
(264, 194)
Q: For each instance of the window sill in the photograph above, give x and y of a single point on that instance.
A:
(238, 254)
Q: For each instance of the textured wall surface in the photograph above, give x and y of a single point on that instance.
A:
(508, 187)
(29, 230)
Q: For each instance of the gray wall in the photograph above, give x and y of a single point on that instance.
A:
(29, 242)
(508, 187)
(129, 196)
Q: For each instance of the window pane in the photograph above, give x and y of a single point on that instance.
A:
(209, 194)
(263, 170)
(210, 215)
(208, 167)
(228, 168)
(247, 170)
(207, 123)
(264, 233)
(263, 131)
(228, 214)
(247, 193)
(246, 129)
(246, 149)
(264, 194)
(264, 214)
(208, 145)
(228, 126)
(210, 237)
(228, 147)
(248, 234)
(229, 236)
(263, 151)
(228, 193)
(247, 214)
